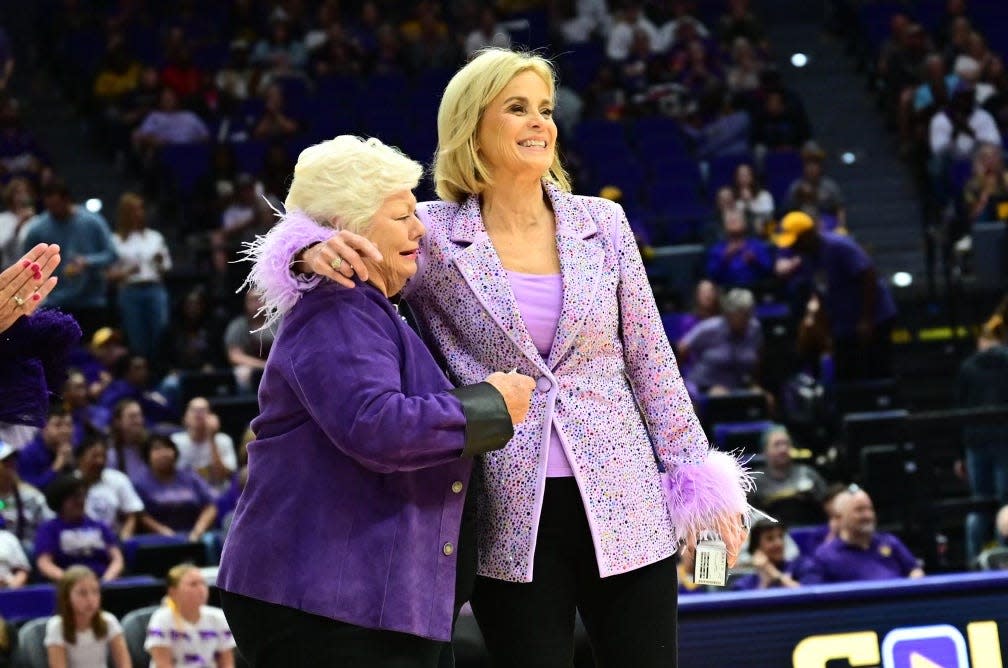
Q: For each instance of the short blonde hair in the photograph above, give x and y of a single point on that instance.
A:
(458, 170)
(343, 181)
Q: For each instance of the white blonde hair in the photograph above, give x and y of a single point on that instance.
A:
(343, 181)
(458, 169)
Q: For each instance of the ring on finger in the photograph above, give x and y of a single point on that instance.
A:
(18, 301)
(336, 263)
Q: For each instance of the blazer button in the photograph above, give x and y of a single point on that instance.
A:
(544, 384)
(457, 486)
(448, 549)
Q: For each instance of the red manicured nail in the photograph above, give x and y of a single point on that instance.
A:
(36, 296)
(26, 264)
(35, 267)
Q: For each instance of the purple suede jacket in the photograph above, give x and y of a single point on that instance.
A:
(356, 477)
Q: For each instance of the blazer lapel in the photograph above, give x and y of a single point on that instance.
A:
(581, 260)
(482, 271)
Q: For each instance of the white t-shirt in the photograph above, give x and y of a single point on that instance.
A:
(88, 651)
(12, 555)
(113, 495)
(138, 250)
(197, 456)
(190, 644)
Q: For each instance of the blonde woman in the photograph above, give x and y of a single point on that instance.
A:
(351, 545)
(185, 631)
(143, 261)
(81, 634)
(516, 272)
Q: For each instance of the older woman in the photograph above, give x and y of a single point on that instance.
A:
(725, 351)
(362, 457)
(518, 272)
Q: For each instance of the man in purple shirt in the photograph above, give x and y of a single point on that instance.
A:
(858, 304)
(860, 552)
(50, 453)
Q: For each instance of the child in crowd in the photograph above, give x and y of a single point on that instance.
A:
(81, 633)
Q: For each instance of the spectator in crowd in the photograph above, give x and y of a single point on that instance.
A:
(144, 259)
(181, 75)
(73, 538)
(983, 381)
(778, 126)
(237, 79)
(176, 500)
(724, 352)
(81, 634)
(86, 248)
(168, 124)
(860, 552)
(14, 565)
(194, 334)
(127, 435)
(621, 33)
(681, 27)
(828, 199)
(88, 417)
(99, 360)
(246, 216)
(111, 497)
(739, 259)
(51, 452)
(118, 76)
(20, 151)
(739, 21)
(6, 59)
(276, 122)
(23, 506)
(578, 21)
(718, 128)
(133, 381)
(755, 202)
(985, 196)
(771, 568)
(281, 45)
(961, 126)
(203, 448)
(488, 32)
(789, 491)
(858, 305)
(248, 341)
(743, 76)
(185, 630)
(19, 208)
(706, 304)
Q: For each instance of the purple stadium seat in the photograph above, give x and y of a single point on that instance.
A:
(185, 165)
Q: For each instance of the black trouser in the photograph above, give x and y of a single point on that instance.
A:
(630, 618)
(270, 635)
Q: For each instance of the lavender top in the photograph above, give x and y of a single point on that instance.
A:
(540, 298)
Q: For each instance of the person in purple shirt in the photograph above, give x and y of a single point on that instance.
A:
(51, 451)
(723, 353)
(73, 538)
(859, 307)
(362, 458)
(860, 552)
(740, 259)
(772, 569)
(127, 435)
(132, 382)
(175, 501)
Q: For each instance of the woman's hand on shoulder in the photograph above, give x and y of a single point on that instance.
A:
(516, 388)
(338, 258)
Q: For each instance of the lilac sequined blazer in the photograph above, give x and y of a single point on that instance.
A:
(609, 339)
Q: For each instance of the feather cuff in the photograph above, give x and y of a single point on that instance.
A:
(271, 255)
(698, 496)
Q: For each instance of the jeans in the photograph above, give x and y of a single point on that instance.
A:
(987, 466)
(144, 311)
